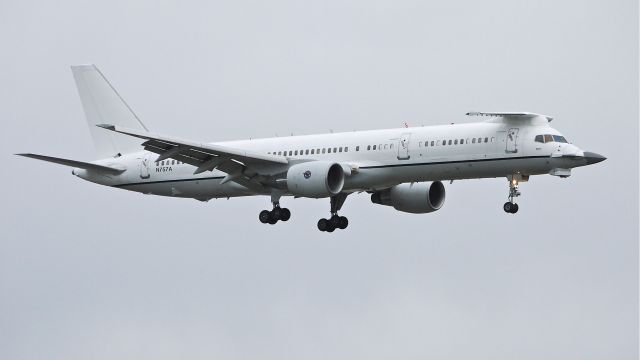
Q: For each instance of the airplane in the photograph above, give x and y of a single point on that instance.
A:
(403, 168)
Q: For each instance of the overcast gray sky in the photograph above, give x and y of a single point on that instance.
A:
(88, 272)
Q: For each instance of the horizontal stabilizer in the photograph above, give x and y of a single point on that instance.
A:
(77, 164)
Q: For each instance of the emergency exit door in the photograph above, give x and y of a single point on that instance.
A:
(403, 146)
(512, 140)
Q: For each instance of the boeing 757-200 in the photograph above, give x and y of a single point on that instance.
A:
(403, 168)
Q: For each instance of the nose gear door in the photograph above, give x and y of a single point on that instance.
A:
(403, 146)
(512, 140)
(144, 167)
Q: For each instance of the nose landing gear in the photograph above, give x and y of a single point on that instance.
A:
(510, 206)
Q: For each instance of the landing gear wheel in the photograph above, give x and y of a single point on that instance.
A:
(331, 227)
(335, 221)
(507, 206)
(285, 214)
(323, 224)
(514, 208)
(265, 216)
(276, 213)
(273, 217)
(510, 207)
(344, 222)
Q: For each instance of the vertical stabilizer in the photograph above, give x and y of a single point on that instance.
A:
(103, 105)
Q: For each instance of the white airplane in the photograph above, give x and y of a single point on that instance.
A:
(403, 167)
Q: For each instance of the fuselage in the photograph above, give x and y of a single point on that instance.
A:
(377, 159)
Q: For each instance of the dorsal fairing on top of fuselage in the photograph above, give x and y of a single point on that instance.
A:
(514, 117)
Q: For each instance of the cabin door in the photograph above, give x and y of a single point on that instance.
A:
(144, 167)
(512, 140)
(403, 146)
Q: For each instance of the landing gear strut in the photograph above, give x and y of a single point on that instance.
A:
(510, 206)
(272, 217)
(335, 221)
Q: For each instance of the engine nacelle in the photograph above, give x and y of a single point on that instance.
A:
(415, 198)
(315, 179)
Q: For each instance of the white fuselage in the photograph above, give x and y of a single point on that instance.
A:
(477, 150)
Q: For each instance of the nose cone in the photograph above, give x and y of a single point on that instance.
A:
(593, 158)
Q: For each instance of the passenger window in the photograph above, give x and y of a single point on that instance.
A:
(473, 141)
(449, 142)
(306, 152)
(391, 147)
(323, 150)
(296, 152)
(386, 146)
(432, 142)
(455, 142)
(346, 149)
(357, 148)
(334, 149)
(374, 147)
(329, 150)
(340, 149)
(486, 139)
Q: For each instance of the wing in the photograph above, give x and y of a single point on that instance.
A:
(243, 167)
(510, 115)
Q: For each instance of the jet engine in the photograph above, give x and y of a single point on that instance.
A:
(315, 179)
(415, 198)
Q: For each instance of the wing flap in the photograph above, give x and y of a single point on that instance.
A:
(194, 149)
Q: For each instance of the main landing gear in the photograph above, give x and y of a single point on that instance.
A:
(272, 217)
(510, 206)
(335, 221)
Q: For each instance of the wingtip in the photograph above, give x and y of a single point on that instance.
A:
(107, 126)
(83, 66)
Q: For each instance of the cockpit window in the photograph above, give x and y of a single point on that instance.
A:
(547, 138)
(559, 138)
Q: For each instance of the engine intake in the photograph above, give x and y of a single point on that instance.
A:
(415, 198)
(315, 179)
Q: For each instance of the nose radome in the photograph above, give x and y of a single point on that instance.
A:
(593, 158)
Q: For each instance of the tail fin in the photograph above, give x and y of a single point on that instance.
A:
(102, 104)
